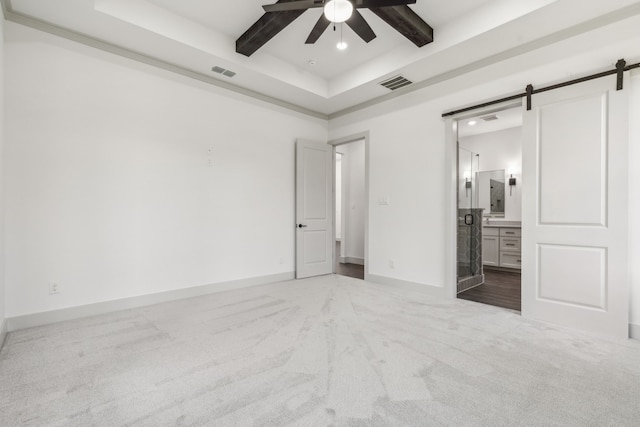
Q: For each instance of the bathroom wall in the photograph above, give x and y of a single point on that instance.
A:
(501, 150)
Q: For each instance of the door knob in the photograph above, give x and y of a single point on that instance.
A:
(301, 225)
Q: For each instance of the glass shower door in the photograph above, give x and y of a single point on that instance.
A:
(469, 250)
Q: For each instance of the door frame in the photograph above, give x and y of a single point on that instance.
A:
(451, 189)
(335, 143)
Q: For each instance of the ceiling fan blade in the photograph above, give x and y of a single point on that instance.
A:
(318, 29)
(360, 26)
(292, 5)
(406, 22)
(264, 29)
(381, 3)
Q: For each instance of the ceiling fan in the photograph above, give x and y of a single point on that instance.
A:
(277, 16)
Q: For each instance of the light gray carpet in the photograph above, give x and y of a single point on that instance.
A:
(317, 352)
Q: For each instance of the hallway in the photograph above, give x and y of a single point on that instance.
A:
(350, 270)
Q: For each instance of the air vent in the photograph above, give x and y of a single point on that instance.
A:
(490, 118)
(224, 72)
(396, 82)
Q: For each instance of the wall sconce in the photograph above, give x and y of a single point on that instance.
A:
(512, 183)
(467, 186)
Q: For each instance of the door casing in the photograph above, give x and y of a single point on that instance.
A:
(345, 140)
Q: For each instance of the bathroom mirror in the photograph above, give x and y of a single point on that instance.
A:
(490, 192)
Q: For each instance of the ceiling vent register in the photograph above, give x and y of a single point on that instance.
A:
(222, 71)
(396, 82)
(490, 118)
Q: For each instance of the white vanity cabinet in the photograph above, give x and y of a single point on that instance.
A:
(510, 244)
(490, 246)
(501, 247)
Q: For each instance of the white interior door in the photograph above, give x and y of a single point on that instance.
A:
(314, 209)
(574, 254)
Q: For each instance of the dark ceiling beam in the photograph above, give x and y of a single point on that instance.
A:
(406, 22)
(265, 29)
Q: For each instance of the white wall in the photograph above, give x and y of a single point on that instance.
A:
(407, 148)
(111, 194)
(2, 290)
(353, 199)
(338, 200)
(501, 150)
(634, 201)
(406, 166)
(125, 180)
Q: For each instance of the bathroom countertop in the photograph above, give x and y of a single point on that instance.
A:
(501, 226)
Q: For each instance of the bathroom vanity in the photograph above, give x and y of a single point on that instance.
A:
(501, 246)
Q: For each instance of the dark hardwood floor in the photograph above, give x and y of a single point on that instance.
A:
(500, 289)
(350, 270)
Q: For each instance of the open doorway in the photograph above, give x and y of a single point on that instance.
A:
(350, 203)
(489, 208)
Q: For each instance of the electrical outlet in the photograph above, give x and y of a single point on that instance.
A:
(281, 260)
(392, 263)
(54, 288)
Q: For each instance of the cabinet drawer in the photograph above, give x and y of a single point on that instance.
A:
(510, 260)
(487, 231)
(510, 244)
(510, 232)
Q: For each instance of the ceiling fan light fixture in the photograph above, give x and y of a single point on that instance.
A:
(338, 11)
(342, 45)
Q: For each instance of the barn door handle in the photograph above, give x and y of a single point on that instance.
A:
(302, 225)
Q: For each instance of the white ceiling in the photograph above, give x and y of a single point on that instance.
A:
(196, 35)
(475, 125)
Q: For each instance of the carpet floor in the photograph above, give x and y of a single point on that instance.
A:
(316, 352)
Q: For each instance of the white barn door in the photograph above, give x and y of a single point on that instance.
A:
(574, 255)
(314, 209)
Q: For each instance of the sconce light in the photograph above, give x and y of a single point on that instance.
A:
(512, 183)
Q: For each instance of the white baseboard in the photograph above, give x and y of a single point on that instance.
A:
(634, 331)
(71, 313)
(436, 291)
(351, 260)
(3, 332)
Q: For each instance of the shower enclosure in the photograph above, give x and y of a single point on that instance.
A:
(469, 245)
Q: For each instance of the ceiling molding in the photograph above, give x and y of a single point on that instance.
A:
(84, 39)
(558, 36)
